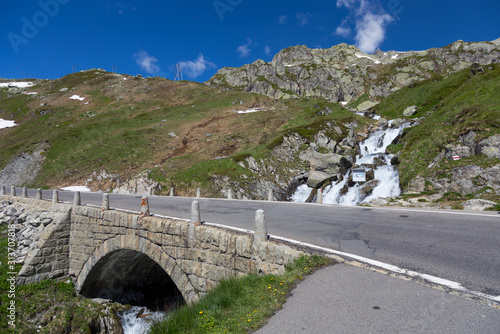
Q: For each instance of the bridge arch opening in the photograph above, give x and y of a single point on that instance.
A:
(130, 277)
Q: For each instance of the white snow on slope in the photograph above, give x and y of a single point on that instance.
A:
(362, 56)
(248, 111)
(16, 84)
(77, 97)
(77, 188)
(6, 124)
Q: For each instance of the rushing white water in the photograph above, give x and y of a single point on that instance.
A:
(134, 324)
(372, 150)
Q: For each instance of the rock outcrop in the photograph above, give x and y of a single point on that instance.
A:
(24, 168)
(342, 72)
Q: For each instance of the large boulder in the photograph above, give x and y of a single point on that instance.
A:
(325, 167)
(410, 111)
(457, 150)
(368, 187)
(367, 105)
(490, 147)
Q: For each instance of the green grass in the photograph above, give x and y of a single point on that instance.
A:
(238, 305)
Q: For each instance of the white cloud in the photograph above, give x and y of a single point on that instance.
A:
(196, 68)
(371, 31)
(146, 62)
(303, 18)
(244, 50)
(368, 19)
(282, 19)
(267, 50)
(346, 3)
(343, 30)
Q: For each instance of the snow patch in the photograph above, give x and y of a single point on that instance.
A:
(363, 56)
(77, 188)
(32, 93)
(20, 84)
(77, 97)
(249, 111)
(6, 124)
(343, 103)
(395, 56)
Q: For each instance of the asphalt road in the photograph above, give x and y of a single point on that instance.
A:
(456, 245)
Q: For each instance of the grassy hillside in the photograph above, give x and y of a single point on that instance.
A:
(174, 130)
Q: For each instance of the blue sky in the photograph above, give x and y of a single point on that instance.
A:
(48, 38)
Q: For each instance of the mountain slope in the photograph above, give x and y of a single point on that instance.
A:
(180, 133)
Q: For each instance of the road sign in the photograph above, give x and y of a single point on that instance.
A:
(359, 175)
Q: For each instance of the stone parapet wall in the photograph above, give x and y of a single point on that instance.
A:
(42, 237)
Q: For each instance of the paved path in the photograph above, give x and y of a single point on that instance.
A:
(346, 299)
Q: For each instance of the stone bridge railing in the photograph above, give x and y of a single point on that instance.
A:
(105, 252)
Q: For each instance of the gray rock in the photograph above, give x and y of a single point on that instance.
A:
(478, 204)
(490, 147)
(398, 122)
(469, 139)
(466, 172)
(317, 178)
(24, 168)
(368, 187)
(367, 105)
(377, 202)
(410, 111)
(457, 150)
(395, 159)
(416, 185)
(11, 211)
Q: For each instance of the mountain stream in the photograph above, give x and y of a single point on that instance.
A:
(372, 157)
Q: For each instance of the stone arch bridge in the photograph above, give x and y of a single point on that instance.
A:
(112, 254)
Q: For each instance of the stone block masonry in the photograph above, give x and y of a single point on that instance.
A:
(83, 242)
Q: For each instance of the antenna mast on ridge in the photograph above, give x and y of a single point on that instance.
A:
(178, 75)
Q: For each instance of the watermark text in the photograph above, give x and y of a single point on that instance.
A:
(30, 28)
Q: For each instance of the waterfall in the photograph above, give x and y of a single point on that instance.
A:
(372, 153)
(137, 319)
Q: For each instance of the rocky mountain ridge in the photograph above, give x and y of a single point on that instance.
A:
(342, 73)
